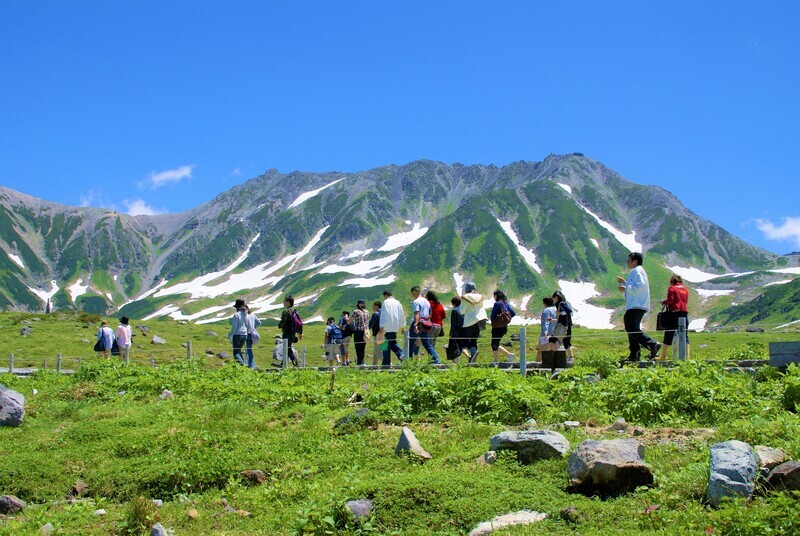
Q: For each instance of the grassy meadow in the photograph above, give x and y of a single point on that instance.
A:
(107, 426)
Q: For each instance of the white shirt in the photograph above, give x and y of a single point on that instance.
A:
(637, 289)
(392, 315)
(421, 306)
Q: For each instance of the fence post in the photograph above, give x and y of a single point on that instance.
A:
(58, 363)
(80, 359)
(285, 353)
(682, 338)
(153, 361)
(127, 351)
(523, 347)
(188, 350)
(407, 344)
(10, 363)
(44, 363)
(303, 356)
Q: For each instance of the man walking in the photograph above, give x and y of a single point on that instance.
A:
(422, 311)
(392, 320)
(637, 302)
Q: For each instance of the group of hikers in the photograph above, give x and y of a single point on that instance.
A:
(425, 326)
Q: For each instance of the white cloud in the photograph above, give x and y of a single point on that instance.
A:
(157, 180)
(788, 230)
(139, 207)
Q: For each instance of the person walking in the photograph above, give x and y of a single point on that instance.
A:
(333, 342)
(636, 288)
(253, 338)
(286, 325)
(105, 340)
(238, 333)
(677, 303)
(392, 320)
(454, 344)
(375, 327)
(347, 335)
(548, 324)
(500, 317)
(422, 313)
(564, 317)
(360, 319)
(124, 336)
(438, 315)
(474, 318)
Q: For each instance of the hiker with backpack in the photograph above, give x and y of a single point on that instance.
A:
(421, 325)
(474, 319)
(333, 342)
(291, 325)
(500, 318)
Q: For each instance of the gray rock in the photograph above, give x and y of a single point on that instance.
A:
(408, 444)
(158, 530)
(523, 517)
(212, 333)
(9, 504)
(571, 425)
(165, 394)
(157, 340)
(223, 355)
(753, 329)
(47, 529)
(530, 424)
(85, 341)
(158, 503)
(100, 512)
(487, 459)
(27, 330)
(531, 445)
(144, 329)
(12, 407)
(785, 477)
(768, 459)
(209, 351)
(360, 508)
(608, 467)
(620, 425)
(733, 469)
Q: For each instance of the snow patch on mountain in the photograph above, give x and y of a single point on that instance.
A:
(45, 295)
(362, 267)
(459, 282)
(595, 242)
(782, 282)
(527, 254)
(16, 260)
(710, 293)
(566, 187)
(406, 238)
(795, 270)
(302, 198)
(698, 324)
(626, 239)
(358, 253)
(588, 315)
(366, 282)
(78, 289)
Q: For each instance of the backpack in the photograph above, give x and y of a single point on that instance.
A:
(347, 330)
(295, 322)
(503, 319)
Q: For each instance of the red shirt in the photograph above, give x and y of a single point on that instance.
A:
(677, 298)
(437, 313)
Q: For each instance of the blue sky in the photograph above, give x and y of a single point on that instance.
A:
(159, 106)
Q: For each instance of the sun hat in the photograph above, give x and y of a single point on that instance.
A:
(239, 304)
(469, 286)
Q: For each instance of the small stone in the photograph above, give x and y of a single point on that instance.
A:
(785, 477)
(212, 334)
(571, 425)
(79, 489)
(570, 514)
(158, 503)
(523, 517)
(531, 446)
(184, 345)
(487, 458)
(408, 443)
(86, 341)
(209, 351)
(530, 424)
(165, 394)
(620, 425)
(769, 458)
(157, 340)
(637, 431)
(9, 504)
(34, 392)
(223, 355)
(120, 393)
(254, 476)
(100, 512)
(192, 513)
(47, 529)
(360, 508)
(243, 513)
(158, 530)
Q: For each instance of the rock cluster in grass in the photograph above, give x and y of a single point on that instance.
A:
(12, 407)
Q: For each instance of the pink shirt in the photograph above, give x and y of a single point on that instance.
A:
(123, 334)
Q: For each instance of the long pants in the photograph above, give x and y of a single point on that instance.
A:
(361, 346)
(238, 342)
(425, 342)
(377, 353)
(636, 339)
(251, 361)
(391, 338)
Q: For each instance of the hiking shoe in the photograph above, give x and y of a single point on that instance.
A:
(655, 351)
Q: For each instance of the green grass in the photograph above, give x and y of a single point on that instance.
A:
(107, 426)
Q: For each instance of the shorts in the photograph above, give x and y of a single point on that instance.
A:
(497, 334)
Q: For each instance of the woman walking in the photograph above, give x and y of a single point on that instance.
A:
(360, 321)
(252, 322)
(105, 340)
(455, 344)
(474, 317)
(238, 333)
(677, 302)
(437, 316)
(501, 316)
(124, 335)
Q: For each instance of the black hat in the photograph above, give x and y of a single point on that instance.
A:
(239, 304)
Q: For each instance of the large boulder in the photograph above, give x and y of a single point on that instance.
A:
(409, 444)
(785, 477)
(608, 467)
(531, 445)
(12, 407)
(733, 470)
